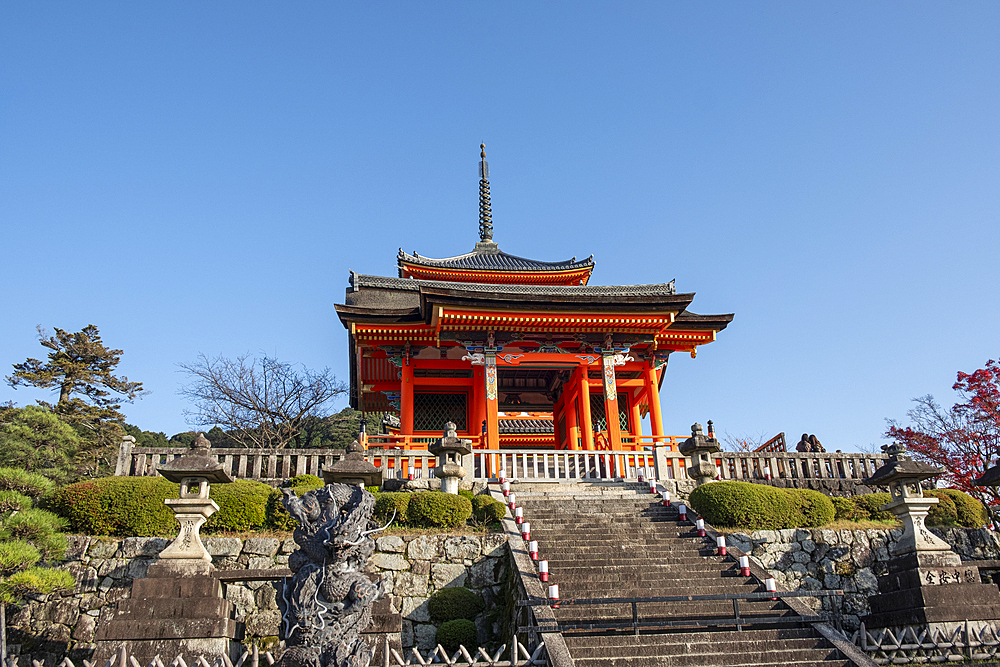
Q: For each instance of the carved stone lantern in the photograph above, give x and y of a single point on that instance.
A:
(353, 470)
(927, 585)
(701, 448)
(194, 472)
(449, 450)
(902, 475)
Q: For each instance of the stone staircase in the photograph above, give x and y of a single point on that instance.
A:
(614, 540)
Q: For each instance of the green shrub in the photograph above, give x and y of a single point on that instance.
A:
(242, 506)
(40, 528)
(466, 494)
(373, 489)
(389, 501)
(845, 510)
(869, 505)
(275, 512)
(488, 510)
(944, 513)
(451, 634)
(743, 505)
(122, 506)
(36, 580)
(12, 501)
(810, 509)
(449, 604)
(433, 509)
(971, 512)
(24, 482)
(304, 480)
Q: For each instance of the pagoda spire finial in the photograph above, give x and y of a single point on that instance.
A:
(485, 212)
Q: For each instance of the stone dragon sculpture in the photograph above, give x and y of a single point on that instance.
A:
(328, 602)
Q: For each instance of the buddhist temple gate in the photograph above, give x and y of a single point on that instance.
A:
(516, 352)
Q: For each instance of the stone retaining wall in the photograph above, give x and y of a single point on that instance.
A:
(849, 560)
(49, 628)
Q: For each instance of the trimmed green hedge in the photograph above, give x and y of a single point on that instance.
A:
(388, 501)
(449, 604)
(742, 504)
(461, 631)
(431, 509)
(944, 513)
(810, 509)
(133, 506)
(845, 509)
(869, 505)
(487, 509)
(971, 513)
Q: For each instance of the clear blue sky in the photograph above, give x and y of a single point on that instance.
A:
(199, 178)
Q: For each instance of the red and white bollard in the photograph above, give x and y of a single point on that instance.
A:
(720, 542)
(505, 487)
(683, 511)
(666, 498)
(744, 566)
(502, 476)
(512, 501)
(652, 486)
(699, 524)
(519, 515)
(641, 478)
(543, 570)
(767, 472)
(526, 531)
(554, 595)
(770, 586)
(533, 549)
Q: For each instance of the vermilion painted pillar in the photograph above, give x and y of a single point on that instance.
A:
(492, 402)
(569, 409)
(611, 401)
(478, 408)
(653, 395)
(406, 398)
(584, 395)
(636, 417)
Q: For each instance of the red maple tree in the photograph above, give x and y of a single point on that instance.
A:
(963, 439)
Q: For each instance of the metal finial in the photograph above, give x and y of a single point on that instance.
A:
(485, 212)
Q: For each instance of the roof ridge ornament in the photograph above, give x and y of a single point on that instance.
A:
(485, 212)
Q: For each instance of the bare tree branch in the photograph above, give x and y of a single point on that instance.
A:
(262, 403)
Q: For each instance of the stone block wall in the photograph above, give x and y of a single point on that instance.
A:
(848, 560)
(49, 628)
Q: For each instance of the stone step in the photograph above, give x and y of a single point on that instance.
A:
(656, 649)
(771, 659)
(697, 637)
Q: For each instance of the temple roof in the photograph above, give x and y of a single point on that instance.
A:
(359, 281)
(487, 256)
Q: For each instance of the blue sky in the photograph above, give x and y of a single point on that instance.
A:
(200, 179)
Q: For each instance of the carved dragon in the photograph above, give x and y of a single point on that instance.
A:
(328, 602)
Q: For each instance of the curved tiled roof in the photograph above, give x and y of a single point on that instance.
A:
(488, 257)
(384, 282)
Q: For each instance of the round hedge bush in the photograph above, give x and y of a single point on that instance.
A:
(449, 604)
(133, 506)
(434, 509)
(742, 504)
(451, 634)
(388, 501)
(304, 480)
(971, 513)
(944, 513)
(242, 506)
(845, 510)
(869, 506)
(488, 510)
(122, 506)
(810, 509)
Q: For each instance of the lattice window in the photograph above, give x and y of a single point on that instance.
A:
(432, 410)
(597, 413)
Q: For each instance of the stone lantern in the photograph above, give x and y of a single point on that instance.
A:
(902, 475)
(449, 451)
(194, 472)
(701, 448)
(353, 470)
(178, 607)
(927, 585)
